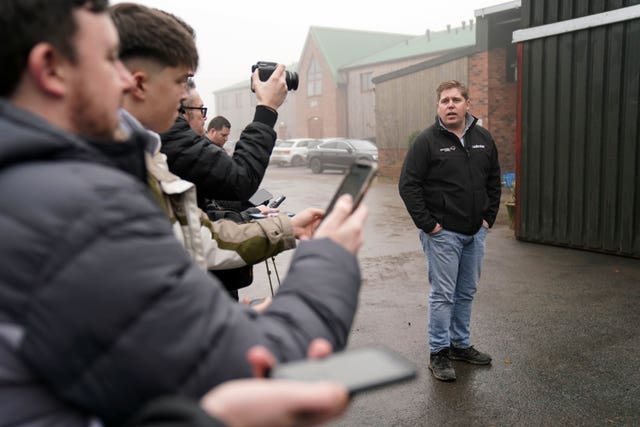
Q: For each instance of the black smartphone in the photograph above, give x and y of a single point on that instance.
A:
(356, 182)
(277, 202)
(359, 369)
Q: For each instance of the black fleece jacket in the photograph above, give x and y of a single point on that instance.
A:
(444, 182)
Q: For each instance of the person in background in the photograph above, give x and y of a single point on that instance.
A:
(218, 130)
(450, 184)
(103, 311)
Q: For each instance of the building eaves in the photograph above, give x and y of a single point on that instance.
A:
(480, 13)
(442, 59)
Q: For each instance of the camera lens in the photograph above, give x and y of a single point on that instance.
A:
(292, 80)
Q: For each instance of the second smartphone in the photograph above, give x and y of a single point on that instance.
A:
(356, 182)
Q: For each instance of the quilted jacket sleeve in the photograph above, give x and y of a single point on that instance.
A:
(229, 244)
(173, 411)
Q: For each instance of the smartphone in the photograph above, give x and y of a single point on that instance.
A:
(359, 369)
(277, 202)
(261, 197)
(356, 182)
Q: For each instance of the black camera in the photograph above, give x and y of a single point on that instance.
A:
(265, 69)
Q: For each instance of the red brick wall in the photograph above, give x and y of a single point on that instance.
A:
(493, 100)
(329, 107)
(502, 109)
(478, 86)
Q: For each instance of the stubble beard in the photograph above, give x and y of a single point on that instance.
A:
(89, 116)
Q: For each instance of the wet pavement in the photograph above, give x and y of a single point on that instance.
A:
(562, 325)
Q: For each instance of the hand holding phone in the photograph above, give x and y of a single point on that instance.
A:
(359, 369)
(356, 182)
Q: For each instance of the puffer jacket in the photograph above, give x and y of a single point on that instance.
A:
(444, 182)
(217, 175)
(102, 309)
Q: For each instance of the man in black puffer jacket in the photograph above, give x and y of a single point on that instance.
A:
(217, 175)
(102, 309)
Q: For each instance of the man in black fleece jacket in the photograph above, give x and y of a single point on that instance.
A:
(450, 184)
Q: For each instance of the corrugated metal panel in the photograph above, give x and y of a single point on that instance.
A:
(579, 172)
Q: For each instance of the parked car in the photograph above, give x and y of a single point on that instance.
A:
(340, 153)
(292, 152)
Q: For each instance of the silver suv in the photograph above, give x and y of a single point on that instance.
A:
(292, 152)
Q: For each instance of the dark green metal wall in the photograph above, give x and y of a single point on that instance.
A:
(579, 146)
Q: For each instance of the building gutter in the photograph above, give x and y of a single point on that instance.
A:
(577, 24)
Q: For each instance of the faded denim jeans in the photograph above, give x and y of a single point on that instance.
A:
(454, 261)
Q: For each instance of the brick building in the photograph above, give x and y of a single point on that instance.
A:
(381, 86)
(488, 69)
(336, 95)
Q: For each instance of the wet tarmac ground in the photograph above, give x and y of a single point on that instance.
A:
(562, 325)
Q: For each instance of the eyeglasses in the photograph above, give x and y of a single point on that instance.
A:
(203, 110)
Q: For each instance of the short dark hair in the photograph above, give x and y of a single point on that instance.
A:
(452, 84)
(147, 33)
(218, 123)
(25, 23)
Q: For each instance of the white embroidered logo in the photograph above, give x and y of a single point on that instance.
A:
(448, 149)
(477, 146)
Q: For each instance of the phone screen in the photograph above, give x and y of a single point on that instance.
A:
(356, 182)
(359, 369)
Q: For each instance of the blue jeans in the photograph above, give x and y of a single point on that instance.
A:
(454, 261)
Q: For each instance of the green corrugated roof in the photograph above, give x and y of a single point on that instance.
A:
(341, 46)
(436, 41)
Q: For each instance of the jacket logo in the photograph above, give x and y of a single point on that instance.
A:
(477, 146)
(448, 149)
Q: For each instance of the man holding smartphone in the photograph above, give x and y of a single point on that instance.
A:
(450, 184)
(103, 310)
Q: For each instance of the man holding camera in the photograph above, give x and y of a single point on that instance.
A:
(217, 175)
(450, 184)
(193, 109)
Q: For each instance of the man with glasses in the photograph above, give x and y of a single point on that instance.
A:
(193, 109)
